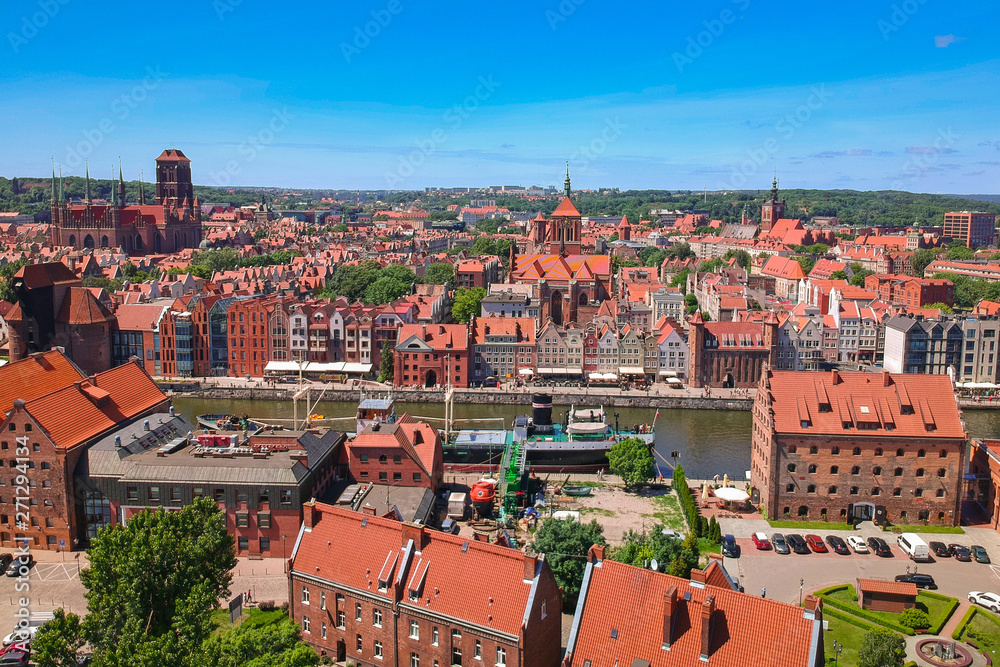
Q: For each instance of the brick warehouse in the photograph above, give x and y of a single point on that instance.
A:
(857, 447)
(373, 591)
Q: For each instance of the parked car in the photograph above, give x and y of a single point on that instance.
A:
(798, 544)
(838, 545)
(858, 544)
(960, 552)
(449, 526)
(979, 553)
(14, 569)
(760, 541)
(780, 545)
(879, 547)
(921, 580)
(815, 543)
(989, 600)
(940, 549)
(729, 547)
(16, 658)
(22, 636)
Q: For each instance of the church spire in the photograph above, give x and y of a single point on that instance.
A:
(113, 200)
(774, 187)
(60, 185)
(142, 190)
(53, 198)
(87, 200)
(121, 184)
(566, 187)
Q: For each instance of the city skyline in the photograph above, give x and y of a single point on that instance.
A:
(394, 96)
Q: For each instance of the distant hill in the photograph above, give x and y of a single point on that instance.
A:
(992, 198)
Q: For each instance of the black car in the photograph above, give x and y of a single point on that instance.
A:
(780, 545)
(838, 545)
(940, 549)
(729, 547)
(798, 544)
(879, 547)
(14, 659)
(14, 570)
(5, 560)
(920, 580)
(960, 552)
(979, 553)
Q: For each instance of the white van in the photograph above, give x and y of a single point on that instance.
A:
(914, 547)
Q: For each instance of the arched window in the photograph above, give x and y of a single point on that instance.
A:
(72, 239)
(920, 472)
(803, 510)
(876, 491)
(789, 488)
(843, 512)
(822, 512)
(924, 514)
(787, 511)
(878, 451)
(899, 452)
(940, 515)
(791, 467)
(832, 491)
(857, 451)
(382, 458)
(898, 472)
(812, 468)
(856, 470)
(854, 490)
(876, 470)
(813, 449)
(897, 492)
(835, 450)
(921, 453)
(941, 472)
(583, 299)
(834, 470)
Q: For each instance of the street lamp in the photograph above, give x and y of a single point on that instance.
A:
(801, 583)
(837, 648)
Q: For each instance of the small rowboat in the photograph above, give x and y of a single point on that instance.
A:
(577, 490)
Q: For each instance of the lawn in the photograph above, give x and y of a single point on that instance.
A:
(934, 607)
(251, 616)
(811, 525)
(950, 530)
(669, 512)
(851, 636)
(707, 546)
(984, 631)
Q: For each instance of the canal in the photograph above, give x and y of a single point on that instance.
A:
(710, 442)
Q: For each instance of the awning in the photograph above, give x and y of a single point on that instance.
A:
(596, 376)
(526, 371)
(671, 374)
(558, 371)
(729, 494)
(674, 381)
(632, 370)
(283, 366)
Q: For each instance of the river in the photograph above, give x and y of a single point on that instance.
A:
(710, 442)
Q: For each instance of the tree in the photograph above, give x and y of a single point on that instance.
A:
(652, 256)
(222, 259)
(386, 290)
(819, 249)
(858, 279)
(640, 549)
(882, 648)
(838, 275)
(565, 544)
(268, 642)
(687, 560)
(921, 260)
(680, 251)
(613, 237)
(914, 618)
(161, 617)
(690, 303)
(386, 364)
(439, 274)
(807, 263)
(341, 228)
(943, 307)
(959, 252)
(632, 460)
(58, 641)
(351, 281)
(742, 257)
(680, 280)
(484, 245)
(129, 269)
(467, 302)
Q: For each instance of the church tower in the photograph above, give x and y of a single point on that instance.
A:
(173, 178)
(772, 210)
(565, 228)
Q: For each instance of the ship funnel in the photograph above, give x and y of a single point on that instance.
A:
(541, 408)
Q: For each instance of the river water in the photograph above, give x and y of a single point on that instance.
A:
(710, 442)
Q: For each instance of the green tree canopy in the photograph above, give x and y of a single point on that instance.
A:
(439, 274)
(943, 307)
(742, 257)
(680, 251)
(221, 259)
(882, 648)
(152, 583)
(807, 263)
(838, 275)
(858, 279)
(272, 641)
(565, 545)
(921, 260)
(467, 302)
(386, 366)
(58, 641)
(652, 256)
(959, 252)
(631, 459)
(386, 290)
(640, 548)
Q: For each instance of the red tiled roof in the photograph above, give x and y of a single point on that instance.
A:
(887, 587)
(783, 267)
(566, 209)
(44, 275)
(80, 307)
(172, 155)
(879, 405)
(35, 376)
(475, 582)
(623, 620)
(72, 415)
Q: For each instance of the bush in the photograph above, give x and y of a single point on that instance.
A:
(957, 634)
(266, 605)
(915, 618)
(865, 614)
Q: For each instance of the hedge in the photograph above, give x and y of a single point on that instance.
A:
(830, 589)
(848, 618)
(910, 663)
(935, 628)
(957, 634)
(865, 614)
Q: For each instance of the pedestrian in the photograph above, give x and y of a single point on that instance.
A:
(763, 592)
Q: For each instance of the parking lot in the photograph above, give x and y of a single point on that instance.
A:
(781, 574)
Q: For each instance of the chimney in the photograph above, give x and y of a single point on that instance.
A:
(835, 377)
(669, 614)
(412, 531)
(369, 510)
(813, 607)
(309, 514)
(886, 380)
(596, 553)
(698, 578)
(707, 610)
(529, 567)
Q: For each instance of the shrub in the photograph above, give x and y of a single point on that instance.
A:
(915, 618)
(266, 605)
(957, 634)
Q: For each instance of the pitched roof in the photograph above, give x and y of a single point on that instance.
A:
(475, 582)
(887, 587)
(45, 275)
(172, 155)
(885, 405)
(783, 267)
(81, 307)
(35, 376)
(621, 621)
(565, 209)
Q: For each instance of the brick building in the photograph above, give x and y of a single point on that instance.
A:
(858, 447)
(892, 596)
(974, 227)
(984, 465)
(771, 210)
(55, 413)
(502, 347)
(631, 616)
(730, 354)
(901, 290)
(374, 591)
(406, 453)
(432, 355)
(478, 272)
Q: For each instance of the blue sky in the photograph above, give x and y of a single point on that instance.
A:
(408, 94)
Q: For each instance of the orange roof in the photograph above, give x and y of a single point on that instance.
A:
(35, 376)
(887, 587)
(885, 405)
(622, 621)
(172, 155)
(566, 209)
(80, 307)
(783, 267)
(475, 582)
